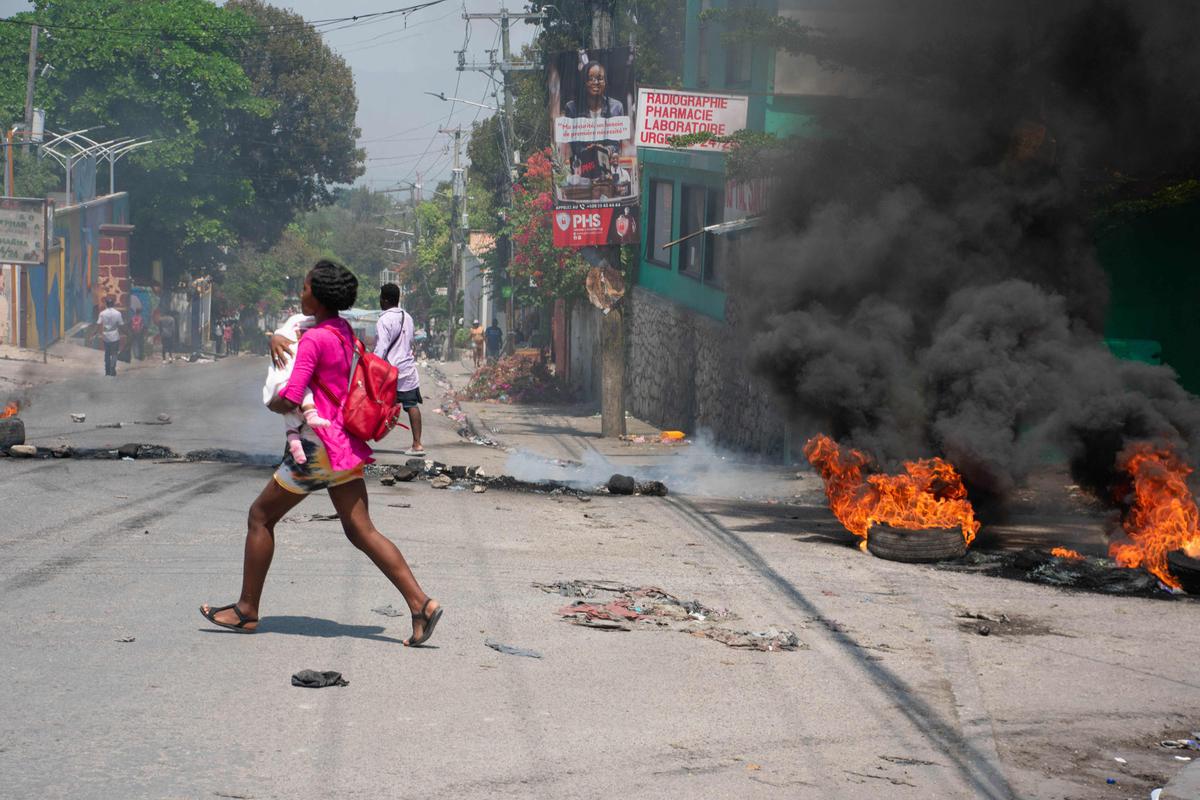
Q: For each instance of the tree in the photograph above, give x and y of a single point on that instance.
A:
(305, 143)
(540, 271)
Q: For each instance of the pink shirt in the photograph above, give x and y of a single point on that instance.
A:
(322, 356)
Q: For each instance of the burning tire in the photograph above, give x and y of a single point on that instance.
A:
(1187, 570)
(12, 431)
(916, 546)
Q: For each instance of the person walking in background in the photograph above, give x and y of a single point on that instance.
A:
(477, 342)
(109, 324)
(334, 461)
(137, 331)
(227, 337)
(495, 340)
(394, 342)
(167, 329)
(236, 340)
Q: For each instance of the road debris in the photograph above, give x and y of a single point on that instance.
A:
(313, 679)
(621, 484)
(78, 417)
(770, 640)
(22, 451)
(126, 639)
(441, 482)
(1181, 744)
(390, 611)
(399, 505)
(110, 425)
(1039, 566)
(509, 650)
(479, 488)
(311, 518)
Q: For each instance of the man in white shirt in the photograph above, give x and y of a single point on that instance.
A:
(109, 323)
(394, 342)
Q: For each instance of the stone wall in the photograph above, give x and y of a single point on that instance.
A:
(112, 273)
(688, 372)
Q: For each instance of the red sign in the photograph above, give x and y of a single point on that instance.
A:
(595, 227)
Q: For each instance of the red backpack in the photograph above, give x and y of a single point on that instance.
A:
(370, 410)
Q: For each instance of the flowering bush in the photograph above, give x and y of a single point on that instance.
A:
(551, 273)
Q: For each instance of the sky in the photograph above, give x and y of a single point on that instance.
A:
(394, 63)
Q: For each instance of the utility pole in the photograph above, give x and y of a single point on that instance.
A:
(448, 353)
(508, 133)
(612, 327)
(29, 79)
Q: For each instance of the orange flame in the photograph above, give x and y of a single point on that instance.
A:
(1163, 517)
(930, 493)
(10, 410)
(1066, 552)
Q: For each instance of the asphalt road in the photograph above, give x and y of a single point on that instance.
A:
(894, 694)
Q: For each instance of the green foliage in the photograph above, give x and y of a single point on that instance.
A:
(753, 154)
(250, 125)
(34, 177)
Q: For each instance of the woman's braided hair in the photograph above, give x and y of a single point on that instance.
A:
(334, 286)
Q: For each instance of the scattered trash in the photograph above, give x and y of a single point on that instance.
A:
(509, 650)
(163, 417)
(1110, 781)
(387, 480)
(22, 451)
(458, 472)
(312, 679)
(78, 417)
(441, 482)
(133, 450)
(390, 611)
(767, 641)
(127, 639)
(582, 588)
(672, 436)
(109, 425)
(1183, 758)
(518, 378)
(399, 505)
(652, 489)
(984, 630)
(479, 488)
(1181, 744)
(1120, 760)
(633, 438)
(1157, 793)
(61, 451)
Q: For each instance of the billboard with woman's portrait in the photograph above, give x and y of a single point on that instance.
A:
(592, 96)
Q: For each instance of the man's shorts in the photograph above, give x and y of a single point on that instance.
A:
(410, 398)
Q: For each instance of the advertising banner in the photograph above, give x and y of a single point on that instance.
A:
(663, 113)
(22, 230)
(596, 182)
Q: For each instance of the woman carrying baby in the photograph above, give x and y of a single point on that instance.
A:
(333, 460)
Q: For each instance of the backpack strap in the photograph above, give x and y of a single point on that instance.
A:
(353, 365)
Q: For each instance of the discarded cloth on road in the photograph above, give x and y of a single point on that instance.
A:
(312, 679)
(509, 650)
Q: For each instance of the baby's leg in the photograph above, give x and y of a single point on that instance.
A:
(294, 443)
(309, 408)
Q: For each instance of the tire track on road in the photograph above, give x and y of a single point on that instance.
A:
(80, 552)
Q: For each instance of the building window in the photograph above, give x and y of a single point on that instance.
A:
(738, 53)
(662, 195)
(699, 257)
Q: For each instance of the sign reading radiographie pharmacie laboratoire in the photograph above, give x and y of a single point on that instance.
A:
(663, 113)
(22, 230)
(595, 157)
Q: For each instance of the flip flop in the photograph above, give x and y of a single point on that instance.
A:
(431, 621)
(243, 620)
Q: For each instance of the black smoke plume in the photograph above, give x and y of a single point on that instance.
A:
(928, 283)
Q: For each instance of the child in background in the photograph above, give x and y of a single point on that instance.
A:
(277, 379)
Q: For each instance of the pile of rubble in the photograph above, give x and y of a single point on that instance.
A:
(519, 378)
